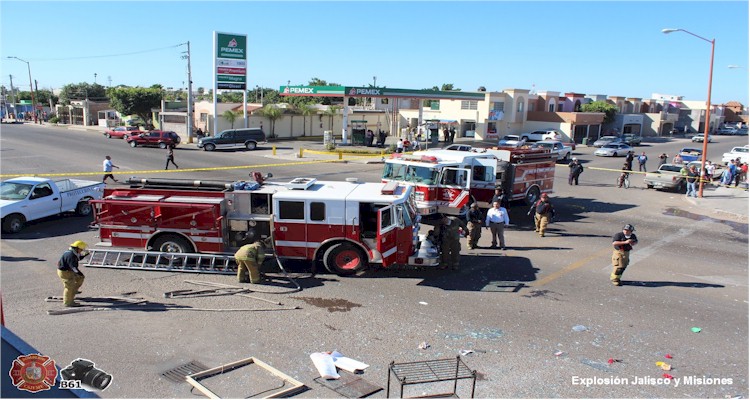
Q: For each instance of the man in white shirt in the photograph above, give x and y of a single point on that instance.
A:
(107, 167)
(497, 220)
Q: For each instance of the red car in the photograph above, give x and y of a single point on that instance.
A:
(154, 138)
(121, 132)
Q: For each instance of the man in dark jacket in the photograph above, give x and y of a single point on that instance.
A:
(575, 171)
(475, 226)
(449, 232)
(543, 213)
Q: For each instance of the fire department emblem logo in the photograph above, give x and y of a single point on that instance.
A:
(449, 194)
(33, 373)
(232, 43)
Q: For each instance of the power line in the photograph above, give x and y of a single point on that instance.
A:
(106, 56)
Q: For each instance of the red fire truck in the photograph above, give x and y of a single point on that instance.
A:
(345, 225)
(447, 181)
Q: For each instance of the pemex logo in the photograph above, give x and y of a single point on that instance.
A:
(352, 91)
(232, 43)
(33, 373)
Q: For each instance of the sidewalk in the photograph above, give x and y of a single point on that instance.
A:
(726, 201)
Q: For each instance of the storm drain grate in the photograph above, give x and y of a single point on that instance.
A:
(178, 374)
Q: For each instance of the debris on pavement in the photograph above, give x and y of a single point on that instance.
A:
(668, 356)
(559, 353)
(424, 345)
(695, 329)
(663, 365)
(667, 376)
(579, 328)
(424, 303)
(613, 360)
(466, 352)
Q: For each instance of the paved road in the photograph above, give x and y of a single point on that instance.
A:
(515, 309)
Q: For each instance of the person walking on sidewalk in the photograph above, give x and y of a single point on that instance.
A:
(107, 167)
(170, 157)
(623, 242)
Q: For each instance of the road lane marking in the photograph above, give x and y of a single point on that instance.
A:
(578, 264)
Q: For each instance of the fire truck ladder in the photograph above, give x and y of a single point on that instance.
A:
(198, 263)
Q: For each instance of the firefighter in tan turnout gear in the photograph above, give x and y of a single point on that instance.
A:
(450, 241)
(249, 259)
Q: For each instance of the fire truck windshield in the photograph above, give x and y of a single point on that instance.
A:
(410, 173)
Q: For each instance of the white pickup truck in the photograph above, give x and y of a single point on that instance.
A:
(743, 153)
(29, 198)
(555, 146)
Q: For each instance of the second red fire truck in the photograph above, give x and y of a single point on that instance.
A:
(447, 181)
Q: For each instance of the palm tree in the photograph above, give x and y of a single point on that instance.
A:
(306, 111)
(230, 116)
(272, 113)
(331, 112)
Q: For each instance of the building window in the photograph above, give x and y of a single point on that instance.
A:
(469, 104)
(317, 211)
(204, 117)
(498, 106)
(520, 104)
(292, 210)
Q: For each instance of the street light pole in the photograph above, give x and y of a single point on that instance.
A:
(31, 86)
(707, 126)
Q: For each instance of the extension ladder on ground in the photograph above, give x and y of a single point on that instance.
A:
(223, 264)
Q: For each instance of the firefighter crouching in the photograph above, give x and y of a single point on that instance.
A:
(475, 226)
(249, 259)
(543, 214)
(67, 270)
(450, 241)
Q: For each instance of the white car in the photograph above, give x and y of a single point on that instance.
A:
(743, 153)
(511, 141)
(613, 150)
(699, 138)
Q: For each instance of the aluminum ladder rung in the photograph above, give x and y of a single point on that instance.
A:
(158, 261)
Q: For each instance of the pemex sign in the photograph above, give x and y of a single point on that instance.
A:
(230, 60)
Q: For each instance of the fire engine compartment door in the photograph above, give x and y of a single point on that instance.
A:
(453, 192)
(387, 234)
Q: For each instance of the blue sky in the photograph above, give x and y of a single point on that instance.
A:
(592, 47)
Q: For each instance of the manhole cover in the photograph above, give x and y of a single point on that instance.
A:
(178, 374)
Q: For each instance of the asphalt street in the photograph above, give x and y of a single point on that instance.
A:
(540, 317)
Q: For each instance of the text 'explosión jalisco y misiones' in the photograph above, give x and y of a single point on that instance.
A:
(690, 380)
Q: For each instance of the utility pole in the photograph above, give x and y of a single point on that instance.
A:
(189, 97)
(13, 97)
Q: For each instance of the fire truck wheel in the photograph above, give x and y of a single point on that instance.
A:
(532, 195)
(172, 244)
(344, 259)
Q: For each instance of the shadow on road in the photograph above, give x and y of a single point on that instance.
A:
(58, 225)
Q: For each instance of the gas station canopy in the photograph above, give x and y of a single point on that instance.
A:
(352, 91)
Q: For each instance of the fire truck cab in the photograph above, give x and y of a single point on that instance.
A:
(447, 181)
(345, 225)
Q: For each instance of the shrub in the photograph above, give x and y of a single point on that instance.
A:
(330, 146)
(54, 120)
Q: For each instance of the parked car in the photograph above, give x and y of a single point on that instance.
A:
(458, 147)
(743, 153)
(555, 146)
(163, 139)
(631, 139)
(613, 150)
(122, 132)
(699, 138)
(30, 198)
(233, 138)
(728, 130)
(511, 141)
(668, 177)
(544, 134)
(690, 154)
(605, 140)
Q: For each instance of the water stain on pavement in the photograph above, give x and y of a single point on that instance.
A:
(333, 305)
(596, 365)
(483, 334)
(738, 227)
(547, 294)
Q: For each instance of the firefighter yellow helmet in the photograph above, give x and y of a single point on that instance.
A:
(79, 244)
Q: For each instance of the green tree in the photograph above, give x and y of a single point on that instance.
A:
(306, 111)
(230, 116)
(608, 109)
(135, 100)
(41, 96)
(272, 113)
(230, 97)
(330, 113)
(325, 100)
(83, 90)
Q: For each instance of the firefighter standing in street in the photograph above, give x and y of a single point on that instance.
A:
(543, 213)
(249, 259)
(450, 241)
(475, 225)
(67, 270)
(623, 242)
